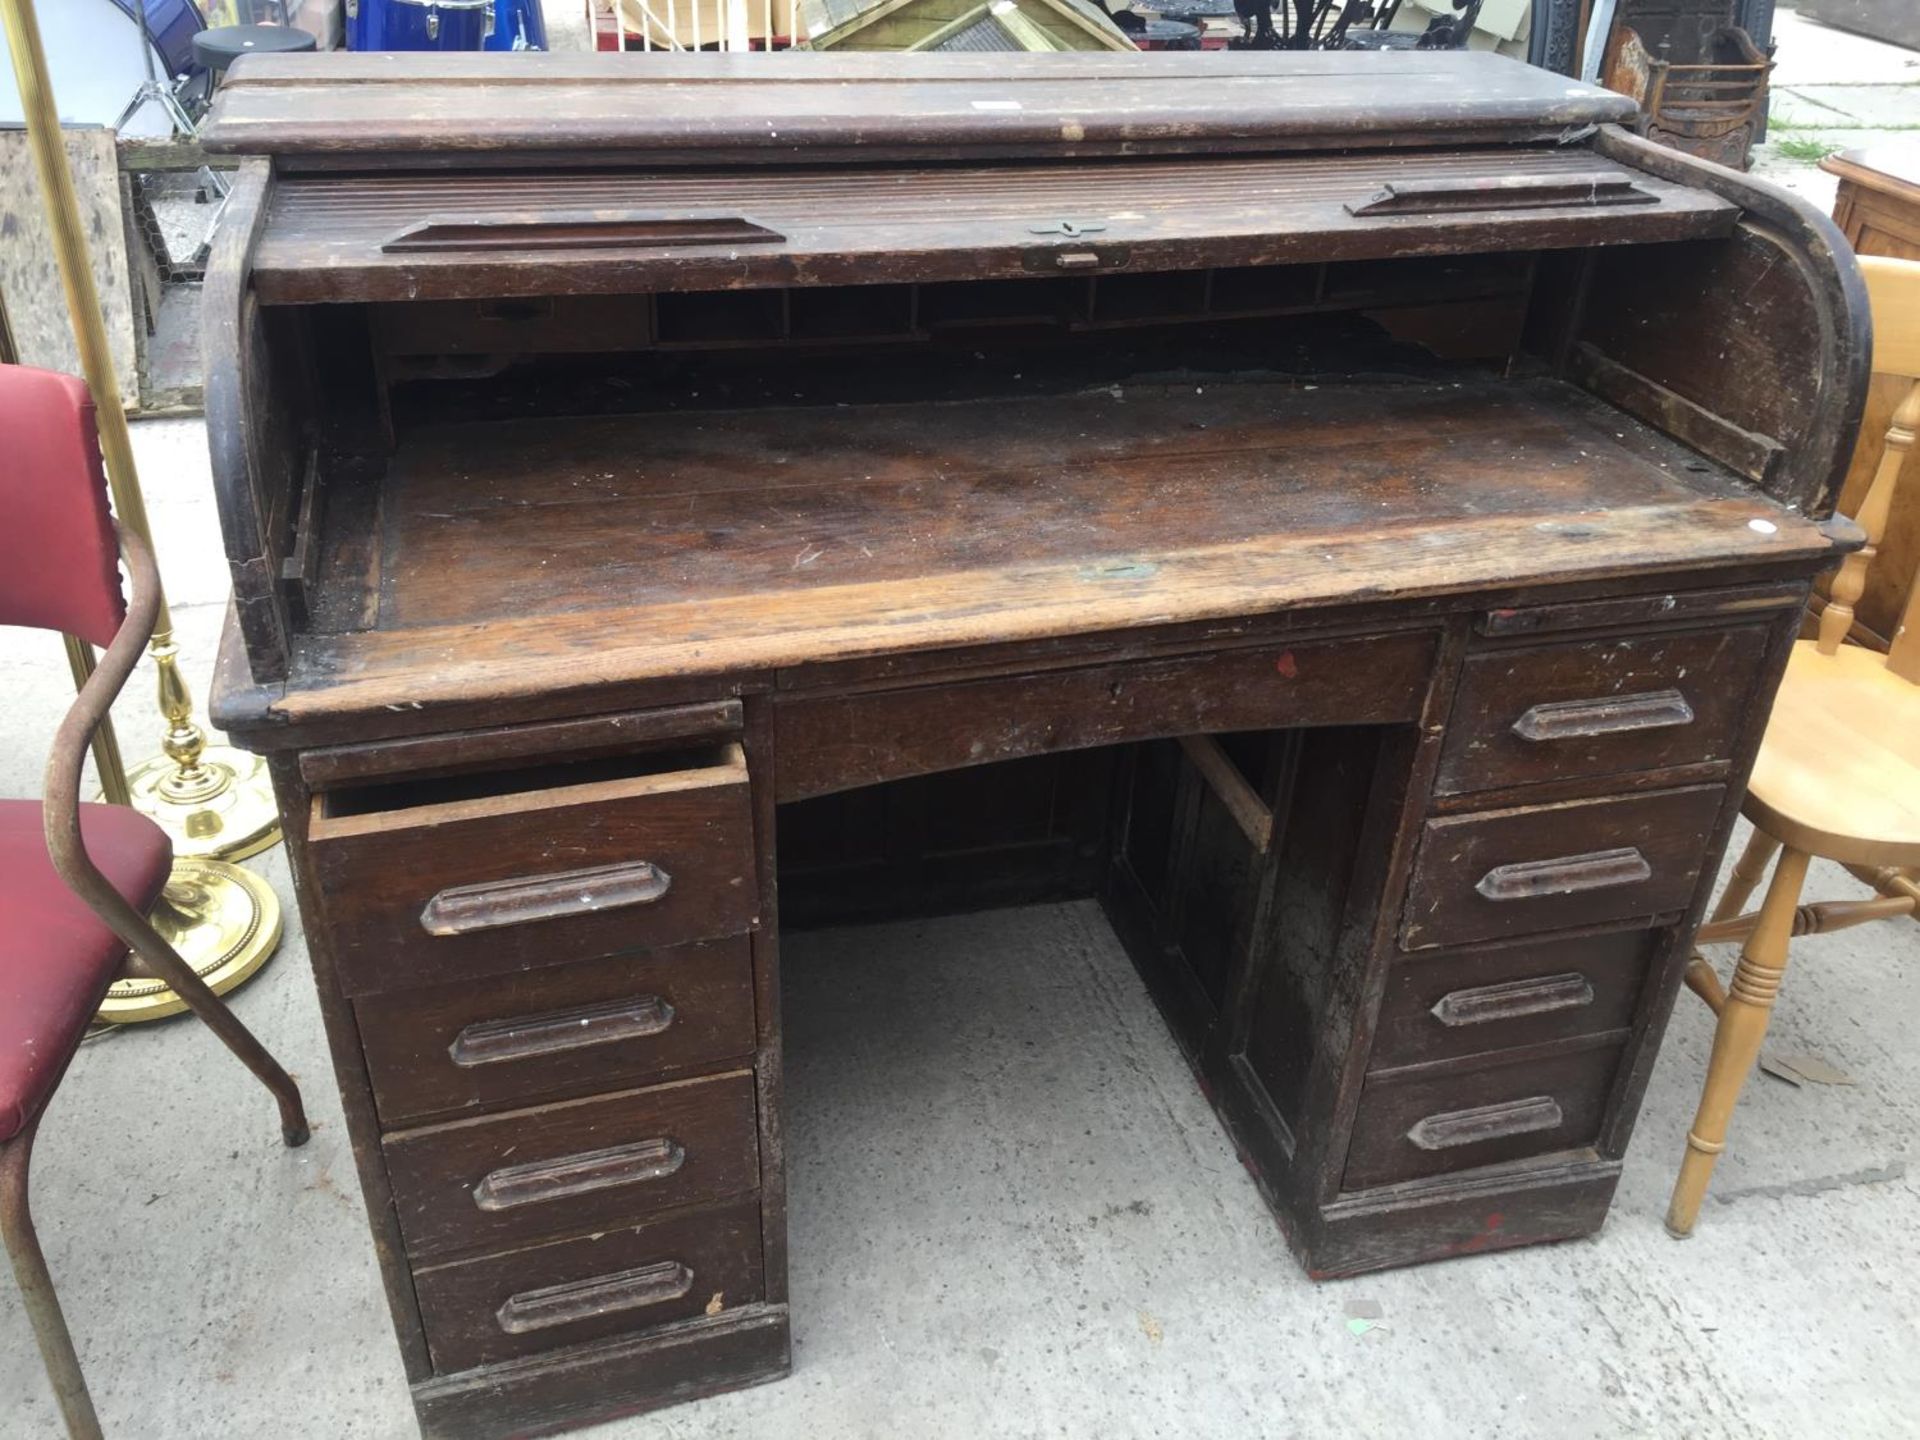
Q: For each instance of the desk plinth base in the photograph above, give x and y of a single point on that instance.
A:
(588, 1384)
(1439, 1220)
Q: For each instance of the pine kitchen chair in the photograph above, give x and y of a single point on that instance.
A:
(1838, 776)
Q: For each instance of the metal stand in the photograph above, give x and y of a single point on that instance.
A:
(225, 921)
(155, 91)
(215, 802)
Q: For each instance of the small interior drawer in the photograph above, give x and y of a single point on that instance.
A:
(1415, 1125)
(614, 1282)
(533, 1174)
(1500, 997)
(464, 876)
(1526, 871)
(445, 1050)
(1601, 707)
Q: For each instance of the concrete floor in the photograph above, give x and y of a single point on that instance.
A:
(1833, 90)
(1013, 1214)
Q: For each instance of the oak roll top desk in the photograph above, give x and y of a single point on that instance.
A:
(1346, 512)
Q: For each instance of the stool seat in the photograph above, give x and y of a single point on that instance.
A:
(221, 46)
(1838, 773)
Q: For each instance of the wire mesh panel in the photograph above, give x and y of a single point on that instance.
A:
(172, 201)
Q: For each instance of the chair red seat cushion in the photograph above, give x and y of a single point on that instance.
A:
(57, 957)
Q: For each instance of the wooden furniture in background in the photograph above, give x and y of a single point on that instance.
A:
(1877, 206)
(76, 880)
(1346, 512)
(1878, 209)
(1838, 774)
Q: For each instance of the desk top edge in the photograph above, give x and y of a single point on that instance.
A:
(365, 676)
(760, 109)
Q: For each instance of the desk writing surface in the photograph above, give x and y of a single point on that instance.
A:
(715, 541)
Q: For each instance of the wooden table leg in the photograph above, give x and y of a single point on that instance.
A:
(1737, 1037)
(1741, 884)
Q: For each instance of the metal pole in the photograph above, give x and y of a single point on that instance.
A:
(106, 746)
(76, 272)
(190, 793)
(9, 352)
(106, 749)
(223, 921)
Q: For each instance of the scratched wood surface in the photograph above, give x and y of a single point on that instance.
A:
(332, 237)
(525, 555)
(914, 524)
(821, 106)
(29, 273)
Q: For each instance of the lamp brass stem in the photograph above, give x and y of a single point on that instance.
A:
(106, 747)
(216, 804)
(224, 921)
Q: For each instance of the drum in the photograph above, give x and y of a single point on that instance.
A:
(419, 24)
(1168, 35)
(97, 61)
(518, 25)
(172, 24)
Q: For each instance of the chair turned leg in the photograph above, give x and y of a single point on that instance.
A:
(1703, 980)
(37, 1293)
(1737, 1037)
(1746, 876)
(1748, 871)
(200, 999)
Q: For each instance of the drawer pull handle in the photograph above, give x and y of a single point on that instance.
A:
(1566, 875)
(1500, 192)
(1615, 715)
(494, 1042)
(463, 909)
(1454, 1128)
(539, 1181)
(553, 1305)
(1509, 1001)
(572, 230)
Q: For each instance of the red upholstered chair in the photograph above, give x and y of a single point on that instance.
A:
(75, 880)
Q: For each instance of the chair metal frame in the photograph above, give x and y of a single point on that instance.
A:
(61, 805)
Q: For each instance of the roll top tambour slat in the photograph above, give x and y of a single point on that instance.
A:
(346, 238)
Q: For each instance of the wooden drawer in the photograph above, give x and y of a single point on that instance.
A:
(1557, 867)
(829, 743)
(614, 1282)
(557, 1031)
(1414, 1125)
(1600, 708)
(467, 876)
(532, 1174)
(1528, 994)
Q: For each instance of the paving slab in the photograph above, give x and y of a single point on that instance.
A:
(1868, 107)
(1811, 53)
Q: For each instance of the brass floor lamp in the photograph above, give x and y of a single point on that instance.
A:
(215, 802)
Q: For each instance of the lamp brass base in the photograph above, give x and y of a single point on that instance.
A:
(224, 921)
(230, 818)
